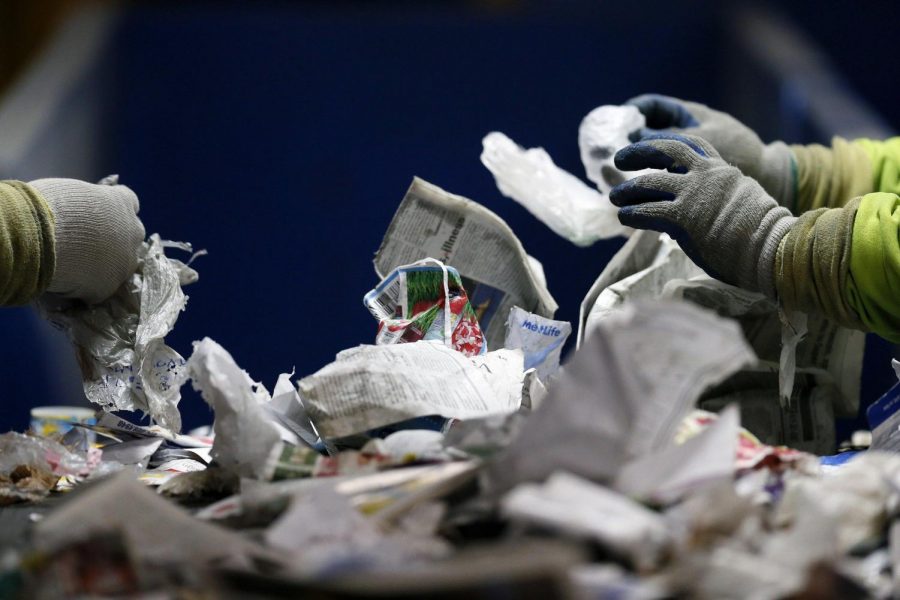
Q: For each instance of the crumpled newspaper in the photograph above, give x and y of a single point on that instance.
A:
(125, 363)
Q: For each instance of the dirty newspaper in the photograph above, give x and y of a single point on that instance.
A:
(495, 269)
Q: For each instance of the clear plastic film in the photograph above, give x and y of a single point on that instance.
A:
(557, 198)
(119, 343)
(602, 133)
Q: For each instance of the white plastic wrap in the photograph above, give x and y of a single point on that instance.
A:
(557, 198)
(603, 132)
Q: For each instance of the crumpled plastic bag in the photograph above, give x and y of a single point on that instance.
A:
(125, 363)
(30, 466)
(602, 133)
(557, 198)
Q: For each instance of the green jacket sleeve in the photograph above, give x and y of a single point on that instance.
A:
(873, 285)
(831, 177)
(844, 259)
(27, 246)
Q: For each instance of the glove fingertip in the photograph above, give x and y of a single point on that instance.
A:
(641, 155)
(636, 218)
(641, 134)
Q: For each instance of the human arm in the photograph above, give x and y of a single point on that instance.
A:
(65, 236)
(27, 243)
(843, 262)
(802, 178)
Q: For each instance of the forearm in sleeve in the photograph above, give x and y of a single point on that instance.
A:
(27, 248)
(845, 263)
(830, 177)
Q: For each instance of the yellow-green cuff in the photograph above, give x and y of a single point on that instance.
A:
(27, 243)
(831, 177)
(813, 262)
(873, 288)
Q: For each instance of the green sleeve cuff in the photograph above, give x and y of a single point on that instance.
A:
(812, 264)
(27, 243)
(885, 160)
(831, 177)
(873, 288)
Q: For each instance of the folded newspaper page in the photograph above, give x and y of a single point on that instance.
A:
(625, 392)
(371, 386)
(651, 265)
(496, 272)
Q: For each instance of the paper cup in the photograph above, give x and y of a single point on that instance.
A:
(55, 421)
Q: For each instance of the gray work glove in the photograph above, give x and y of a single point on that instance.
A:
(770, 164)
(723, 220)
(98, 234)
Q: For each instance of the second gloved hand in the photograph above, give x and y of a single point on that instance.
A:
(98, 234)
(723, 220)
(770, 164)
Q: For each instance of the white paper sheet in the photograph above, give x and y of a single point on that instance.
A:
(579, 507)
(371, 386)
(624, 392)
(707, 458)
(247, 443)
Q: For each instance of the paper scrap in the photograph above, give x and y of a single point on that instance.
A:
(707, 458)
(155, 529)
(579, 507)
(540, 339)
(371, 386)
(247, 443)
(624, 392)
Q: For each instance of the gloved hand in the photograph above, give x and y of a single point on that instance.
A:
(98, 234)
(723, 220)
(771, 165)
